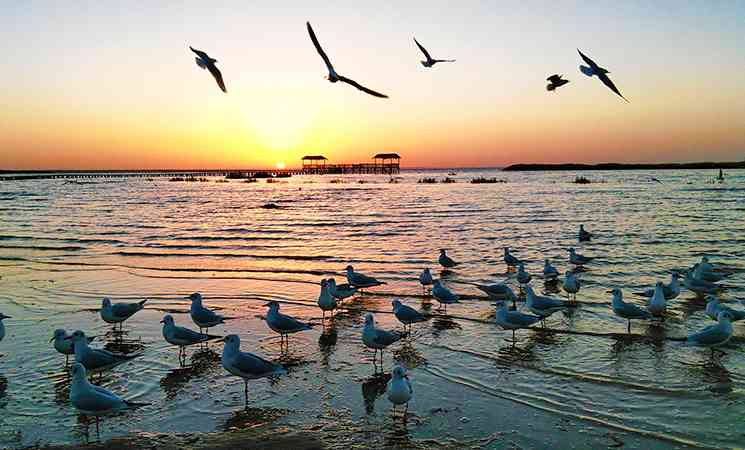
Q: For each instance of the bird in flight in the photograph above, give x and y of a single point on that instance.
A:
(333, 76)
(555, 81)
(601, 73)
(205, 62)
(430, 62)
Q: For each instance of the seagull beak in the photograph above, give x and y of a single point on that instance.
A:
(162, 321)
(53, 338)
(609, 292)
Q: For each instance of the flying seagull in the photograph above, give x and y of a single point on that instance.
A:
(430, 62)
(205, 62)
(333, 76)
(594, 69)
(555, 81)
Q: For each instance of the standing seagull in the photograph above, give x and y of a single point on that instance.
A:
(425, 279)
(93, 359)
(283, 324)
(713, 335)
(594, 69)
(205, 62)
(550, 274)
(361, 281)
(446, 261)
(406, 314)
(443, 295)
(63, 344)
(430, 62)
(246, 365)
(555, 81)
(627, 311)
(119, 312)
(93, 400)
(2, 325)
(202, 316)
(182, 337)
(341, 291)
(378, 338)
(513, 320)
(333, 76)
(326, 301)
(571, 285)
(399, 389)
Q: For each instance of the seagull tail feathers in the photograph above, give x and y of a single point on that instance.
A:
(142, 303)
(586, 70)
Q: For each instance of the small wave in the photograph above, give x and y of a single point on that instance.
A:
(45, 248)
(226, 255)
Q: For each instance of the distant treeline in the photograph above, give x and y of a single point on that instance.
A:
(614, 166)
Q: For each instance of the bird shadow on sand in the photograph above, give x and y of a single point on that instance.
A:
(202, 362)
(252, 417)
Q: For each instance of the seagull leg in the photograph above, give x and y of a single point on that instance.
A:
(245, 391)
(513, 337)
(98, 431)
(628, 329)
(67, 360)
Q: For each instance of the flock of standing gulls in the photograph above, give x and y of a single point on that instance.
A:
(92, 400)
(555, 81)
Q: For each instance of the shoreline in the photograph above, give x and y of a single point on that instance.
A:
(621, 166)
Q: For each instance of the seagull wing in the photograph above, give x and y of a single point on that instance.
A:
(288, 323)
(362, 88)
(710, 335)
(590, 62)
(554, 78)
(251, 364)
(185, 334)
(607, 81)
(202, 55)
(424, 50)
(318, 47)
(218, 76)
(386, 338)
(124, 310)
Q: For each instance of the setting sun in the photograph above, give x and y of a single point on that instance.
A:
(280, 165)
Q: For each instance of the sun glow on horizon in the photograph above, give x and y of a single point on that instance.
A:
(280, 165)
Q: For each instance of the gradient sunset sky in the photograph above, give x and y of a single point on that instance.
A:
(113, 84)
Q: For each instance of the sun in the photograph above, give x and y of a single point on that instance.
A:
(280, 165)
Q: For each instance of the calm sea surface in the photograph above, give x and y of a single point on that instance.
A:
(65, 246)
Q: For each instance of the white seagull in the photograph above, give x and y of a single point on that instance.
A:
(399, 388)
(571, 284)
(523, 277)
(247, 365)
(377, 338)
(713, 335)
(549, 272)
(182, 337)
(282, 323)
(542, 306)
(627, 311)
(446, 261)
(205, 62)
(658, 304)
(333, 76)
(95, 360)
(341, 291)
(361, 281)
(598, 71)
(63, 343)
(509, 259)
(406, 314)
(513, 320)
(204, 317)
(443, 295)
(93, 400)
(425, 279)
(700, 287)
(577, 259)
(430, 62)
(326, 301)
(119, 312)
(671, 290)
(713, 308)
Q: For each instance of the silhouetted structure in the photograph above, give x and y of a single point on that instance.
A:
(314, 162)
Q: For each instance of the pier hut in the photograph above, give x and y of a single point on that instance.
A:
(389, 163)
(314, 164)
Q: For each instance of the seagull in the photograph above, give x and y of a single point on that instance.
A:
(333, 76)
(246, 365)
(543, 306)
(443, 295)
(182, 336)
(91, 400)
(399, 388)
(359, 280)
(2, 325)
(571, 284)
(706, 266)
(326, 301)
(202, 316)
(584, 235)
(523, 277)
(425, 279)
(713, 335)
(282, 323)
(700, 273)
(498, 291)
(95, 360)
(700, 286)
(510, 260)
(555, 81)
(549, 272)
(377, 338)
(658, 304)
(446, 261)
(63, 344)
(513, 320)
(671, 290)
(341, 291)
(713, 308)
(119, 312)
(406, 314)
(601, 73)
(430, 62)
(577, 259)
(627, 311)
(205, 62)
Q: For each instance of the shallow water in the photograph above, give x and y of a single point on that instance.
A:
(63, 247)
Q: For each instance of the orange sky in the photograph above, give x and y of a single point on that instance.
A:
(107, 87)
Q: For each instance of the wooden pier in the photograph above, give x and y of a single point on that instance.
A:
(383, 164)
